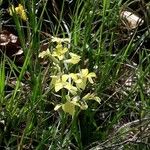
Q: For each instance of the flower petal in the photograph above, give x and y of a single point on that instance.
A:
(58, 86)
(97, 99)
(81, 85)
(83, 105)
(59, 40)
(69, 107)
(71, 88)
(57, 107)
(86, 97)
(74, 58)
(54, 79)
(90, 80)
(91, 74)
(73, 76)
(65, 77)
(84, 72)
(44, 53)
(91, 97)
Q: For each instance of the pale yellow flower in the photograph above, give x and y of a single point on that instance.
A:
(77, 101)
(82, 102)
(74, 59)
(92, 96)
(67, 107)
(11, 10)
(60, 40)
(60, 82)
(44, 53)
(59, 51)
(83, 76)
(74, 76)
(71, 103)
(47, 53)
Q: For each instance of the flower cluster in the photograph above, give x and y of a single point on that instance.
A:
(73, 83)
(19, 11)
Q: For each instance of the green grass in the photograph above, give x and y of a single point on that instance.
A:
(27, 100)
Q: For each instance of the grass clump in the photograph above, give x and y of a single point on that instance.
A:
(73, 52)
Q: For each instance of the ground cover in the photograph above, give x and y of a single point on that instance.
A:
(74, 74)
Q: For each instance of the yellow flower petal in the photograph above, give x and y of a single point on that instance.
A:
(91, 97)
(90, 80)
(71, 88)
(76, 99)
(64, 50)
(11, 10)
(83, 105)
(18, 10)
(77, 102)
(59, 51)
(44, 53)
(97, 99)
(74, 59)
(58, 86)
(86, 97)
(91, 74)
(54, 79)
(73, 76)
(84, 72)
(57, 107)
(81, 83)
(60, 40)
(65, 77)
(59, 56)
(59, 47)
(68, 107)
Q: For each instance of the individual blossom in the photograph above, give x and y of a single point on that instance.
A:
(74, 59)
(81, 78)
(77, 101)
(44, 53)
(59, 51)
(92, 96)
(60, 40)
(82, 102)
(47, 53)
(67, 107)
(86, 75)
(74, 76)
(19, 11)
(71, 103)
(61, 82)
